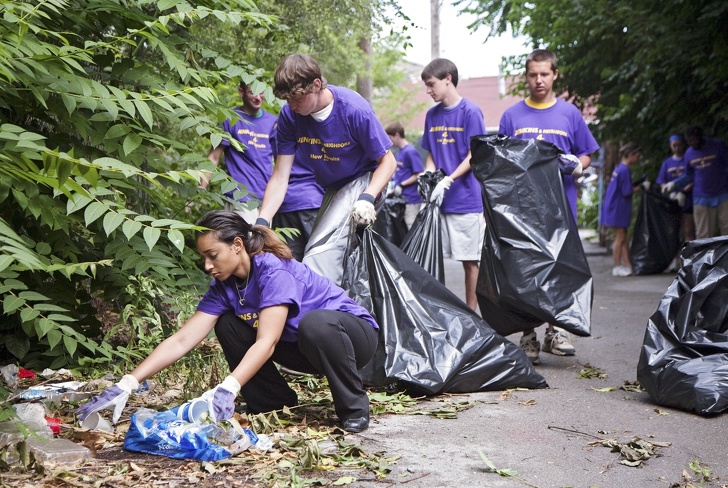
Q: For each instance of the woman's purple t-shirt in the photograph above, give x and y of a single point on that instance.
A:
(341, 148)
(275, 281)
(617, 211)
(672, 169)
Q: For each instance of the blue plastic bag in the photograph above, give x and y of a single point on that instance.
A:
(163, 434)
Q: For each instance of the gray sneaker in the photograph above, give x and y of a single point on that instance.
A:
(557, 342)
(531, 347)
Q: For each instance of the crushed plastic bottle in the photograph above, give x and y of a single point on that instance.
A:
(33, 415)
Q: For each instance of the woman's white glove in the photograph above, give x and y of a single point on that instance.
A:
(439, 192)
(114, 397)
(221, 399)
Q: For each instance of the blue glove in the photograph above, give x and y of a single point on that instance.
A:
(114, 397)
(221, 399)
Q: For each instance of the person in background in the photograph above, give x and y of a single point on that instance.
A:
(334, 132)
(671, 169)
(265, 308)
(707, 171)
(546, 117)
(409, 167)
(617, 209)
(449, 126)
(253, 165)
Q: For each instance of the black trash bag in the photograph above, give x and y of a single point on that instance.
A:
(533, 267)
(656, 235)
(684, 359)
(423, 242)
(429, 339)
(390, 220)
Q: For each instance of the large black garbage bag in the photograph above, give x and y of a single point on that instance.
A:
(423, 242)
(684, 358)
(533, 267)
(429, 338)
(390, 220)
(656, 235)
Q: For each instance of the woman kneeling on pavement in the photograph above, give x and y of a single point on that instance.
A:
(266, 308)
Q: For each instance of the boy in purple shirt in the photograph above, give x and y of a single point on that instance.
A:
(252, 166)
(545, 117)
(333, 131)
(265, 308)
(449, 126)
(409, 167)
(617, 209)
(707, 170)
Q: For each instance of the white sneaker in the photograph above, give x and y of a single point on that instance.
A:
(621, 271)
(557, 342)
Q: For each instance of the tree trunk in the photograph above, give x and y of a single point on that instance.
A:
(364, 80)
(435, 28)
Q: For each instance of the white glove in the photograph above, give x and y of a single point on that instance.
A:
(646, 185)
(570, 165)
(679, 198)
(439, 192)
(114, 397)
(668, 187)
(221, 399)
(363, 212)
(397, 191)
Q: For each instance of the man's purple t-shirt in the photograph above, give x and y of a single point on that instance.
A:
(253, 166)
(709, 166)
(447, 137)
(617, 211)
(561, 124)
(339, 149)
(275, 281)
(408, 163)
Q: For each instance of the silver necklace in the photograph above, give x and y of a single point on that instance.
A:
(245, 292)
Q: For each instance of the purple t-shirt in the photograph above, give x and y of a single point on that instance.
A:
(254, 165)
(275, 281)
(561, 124)
(672, 169)
(339, 149)
(617, 210)
(447, 137)
(408, 163)
(709, 167)
(303, 192)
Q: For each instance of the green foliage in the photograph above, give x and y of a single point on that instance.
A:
(651, 68)
(93, 185)
(107, 112)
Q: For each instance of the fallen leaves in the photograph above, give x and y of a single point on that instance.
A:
(634, 452)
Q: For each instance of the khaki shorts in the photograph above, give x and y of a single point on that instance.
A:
(462, 236)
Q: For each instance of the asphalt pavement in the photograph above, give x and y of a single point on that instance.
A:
(544, 438)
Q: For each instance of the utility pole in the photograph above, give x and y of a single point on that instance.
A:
(435, 28)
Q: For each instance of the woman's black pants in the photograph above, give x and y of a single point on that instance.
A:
(335, 344)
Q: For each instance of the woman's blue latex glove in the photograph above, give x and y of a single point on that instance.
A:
(114, 397)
